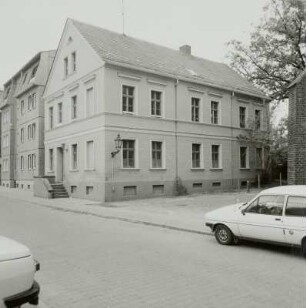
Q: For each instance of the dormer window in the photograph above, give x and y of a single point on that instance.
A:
(33, 74)
(7, 92)
(24, 78)
(73, 62)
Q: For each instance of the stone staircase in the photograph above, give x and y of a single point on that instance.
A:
(59, 191)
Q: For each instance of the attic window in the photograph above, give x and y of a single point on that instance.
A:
(69, 40)
(7, 92)
(192, 72)
(24, 78)
(33, 74)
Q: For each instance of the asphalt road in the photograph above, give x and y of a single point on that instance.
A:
(88, 261)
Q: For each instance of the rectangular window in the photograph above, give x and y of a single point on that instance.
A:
(195, 109)
(196, 155)
(128, 98)
(30, 98)
(22, 107)
(90, 155)
(158, 190)
(296, 206)
(243, 157)
(90, 102)
(22, 162)
(157, 154)
(197, 185)
(215, 156)
(34, 100)
(29, 132)
(33, 131)
(30, 162)
(128, 153)
(257, 119)
(259, 158)
(129, 191)
(33, 74)
(51, 160)
(156, 103)
(73, 62)
(74, 111)
(214, 112)
(51, 117)
(242, 117)
(66, 72)
(216, 184)
(24, 78)
(73, 189)
(33, 161)
(59, 113)
(22, 135)
(74, 156)
(89, 190)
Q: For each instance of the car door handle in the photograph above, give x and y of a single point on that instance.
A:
(278, 219)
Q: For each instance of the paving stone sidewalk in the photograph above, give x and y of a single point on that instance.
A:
(184, 213)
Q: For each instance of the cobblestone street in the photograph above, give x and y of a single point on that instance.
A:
(90, 261)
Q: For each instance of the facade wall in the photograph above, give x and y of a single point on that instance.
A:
(297, 134)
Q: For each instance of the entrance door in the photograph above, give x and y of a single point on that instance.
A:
(59, 165)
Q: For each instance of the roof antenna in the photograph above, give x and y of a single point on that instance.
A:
(123, 22)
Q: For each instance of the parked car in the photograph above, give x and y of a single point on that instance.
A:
(276, 215)
(17, 270)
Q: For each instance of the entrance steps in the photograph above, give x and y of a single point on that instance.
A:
(59, 191)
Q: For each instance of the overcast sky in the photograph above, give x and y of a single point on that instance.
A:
(29, 26)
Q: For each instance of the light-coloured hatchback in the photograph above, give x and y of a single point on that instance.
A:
(17, 270)
(276, 215)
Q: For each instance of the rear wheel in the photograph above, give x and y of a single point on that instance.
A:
(224, 235)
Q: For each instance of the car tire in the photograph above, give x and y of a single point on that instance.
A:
(304, 247)
(224, 235)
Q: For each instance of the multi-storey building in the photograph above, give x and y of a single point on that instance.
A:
(177, 115)
(23, 123)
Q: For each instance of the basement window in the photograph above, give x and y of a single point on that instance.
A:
(89, 190)
(129, 191)
(73, 189)
(197, 185)
(158, 189)
(216, 184)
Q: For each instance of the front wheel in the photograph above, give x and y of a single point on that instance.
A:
(224, 235)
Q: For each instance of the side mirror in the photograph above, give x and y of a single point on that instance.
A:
(243, 212)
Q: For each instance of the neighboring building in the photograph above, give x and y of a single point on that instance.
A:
(23, 123)
(1, 100)
(177, 115)
(297, 131)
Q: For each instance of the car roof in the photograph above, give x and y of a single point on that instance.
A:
(299, 190)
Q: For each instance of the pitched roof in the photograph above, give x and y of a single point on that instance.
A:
(123, 50)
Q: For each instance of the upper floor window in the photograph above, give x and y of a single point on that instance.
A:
(242, 117)
(22, 135)
(196, 155)
(5, 141)
(6, 116)
(24, 78)
(195, 109)
(34, 100)
(214, 112)
(22, 107)
(244, 161)
(73, 62)
(257, 119)
(157, 154)
(90, 101)
(34, 70)
(7, 92)
(59, 112)
(215, 156)
(21, 162)
(74, 107)
(128, 154)
(128, 98)
(51, 117)
(66, 68)
(156, 103)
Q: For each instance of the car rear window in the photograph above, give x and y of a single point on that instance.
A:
(296, 206)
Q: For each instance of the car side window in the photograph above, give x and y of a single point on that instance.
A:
(296, 206)
(267, 205)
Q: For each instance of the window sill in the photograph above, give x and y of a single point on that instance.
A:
(130, 169)
(90, 169)
(128, 113)
(197, 169)
(245, 168)
(156, 116)
(216, 169)
(74, 170)
(157, 169)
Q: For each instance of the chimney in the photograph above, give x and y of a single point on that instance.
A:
(185, 50)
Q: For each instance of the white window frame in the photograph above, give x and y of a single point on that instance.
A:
(163, 142)
(162, 103)
(66, 66)
(219, 111)
(220, 157)
(93, 102)
(73, 62)
(200, 107)
(246, 116)
(135, 158)
(58, 113)
(135, 104)
(247, 163)
(51, 123)
(71, 107)
(260, 118)
(201, 156)
(71, 157)
(93, 154)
